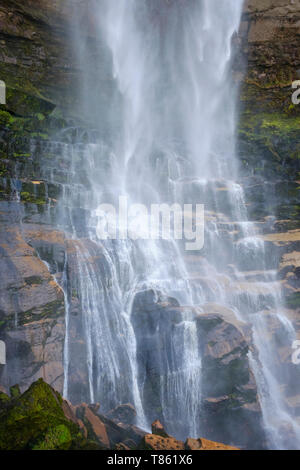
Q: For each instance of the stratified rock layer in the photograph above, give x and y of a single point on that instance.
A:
(40, 70)
(31, 310)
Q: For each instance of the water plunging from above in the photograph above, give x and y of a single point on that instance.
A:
(171, 139)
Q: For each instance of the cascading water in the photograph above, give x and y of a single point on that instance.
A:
(169, 138)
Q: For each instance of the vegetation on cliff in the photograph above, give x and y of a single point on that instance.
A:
(36, 421)
(40, 419)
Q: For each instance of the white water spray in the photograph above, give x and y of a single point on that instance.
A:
(173, 140)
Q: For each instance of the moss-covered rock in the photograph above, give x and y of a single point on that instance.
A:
(293, 301)
(36, 420)
(24, 104)
(270, 145)
(15, 391)
(4, 399)
(269, 128)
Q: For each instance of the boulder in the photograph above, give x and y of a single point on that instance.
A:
(229, 389)
(40, 419)
(158, 429)
(205, 444)
(36, 421)
(96, 429)
(120, 432)
(154, 442)
(123, 413)
(122, 446)
(94, 407)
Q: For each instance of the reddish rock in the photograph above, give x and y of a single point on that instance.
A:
(95, 427)
(83, 428)
(205, 444)
(158, 429)
(122, 446)
(33, 318)
(154, 442)
(123, 413)
(69, 411)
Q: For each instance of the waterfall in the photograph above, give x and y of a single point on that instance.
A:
(168, 135)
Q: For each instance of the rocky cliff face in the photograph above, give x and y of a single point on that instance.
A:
(37, 58)
(270, 31)
(38, 61)
(31, 308)
(41, 73)
(51, 423)
(269, 127)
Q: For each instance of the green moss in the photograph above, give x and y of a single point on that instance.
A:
(51, 310)
(30, 198)
(281, 77)
(279, 124)
(293, 300)
(28, 102)
(15, 391)
(267, 124)
(3, 169)
(33, 280)
(35, 125)
(5, 117)
(269, 144)
(21, 155)
(4, 399)
(35, 420)
(58, 437)
(209, 323)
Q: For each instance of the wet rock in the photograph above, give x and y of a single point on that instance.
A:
(204, 444)
(229, 389)
(123, 413)
(268, 34)
(158, 429)
(70, 411)
(95, 427)
(94, 407)
(27, 26)
(36, 420)
(153, 442)
(31, 314)
(120, 432)
(122, 446)
(51, 423)
(48, 243)
(269, 125)
(128, 444)
(289, 272)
